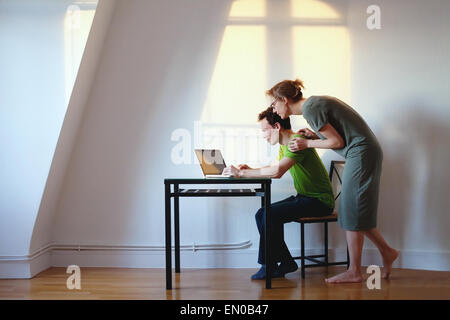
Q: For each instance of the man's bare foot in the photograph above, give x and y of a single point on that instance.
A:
(388, 259)
(346, 277)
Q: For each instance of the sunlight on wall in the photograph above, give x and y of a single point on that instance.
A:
(321, 58)
(77, 24)
(248, 8)
(239, 77)
(234, 97)
(312, 9)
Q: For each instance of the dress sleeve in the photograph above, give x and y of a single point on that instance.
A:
(316, 116)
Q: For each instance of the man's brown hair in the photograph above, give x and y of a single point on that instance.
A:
(273, 118)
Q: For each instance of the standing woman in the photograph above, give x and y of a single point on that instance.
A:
(339, 127)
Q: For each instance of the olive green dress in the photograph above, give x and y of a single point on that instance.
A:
(363, 160)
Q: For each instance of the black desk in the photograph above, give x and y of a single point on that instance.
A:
(263, 192)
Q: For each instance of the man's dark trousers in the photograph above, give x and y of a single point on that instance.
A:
(287, 210)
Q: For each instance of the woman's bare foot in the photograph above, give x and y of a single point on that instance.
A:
(346, 277)
(388, 259)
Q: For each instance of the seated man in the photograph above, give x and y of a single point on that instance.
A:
(314, 192)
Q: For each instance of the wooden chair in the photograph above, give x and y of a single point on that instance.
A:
(325, 220)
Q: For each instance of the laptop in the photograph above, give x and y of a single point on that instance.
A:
(211, 162)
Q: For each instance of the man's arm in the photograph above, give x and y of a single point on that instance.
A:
(274, 171)
(244, 166)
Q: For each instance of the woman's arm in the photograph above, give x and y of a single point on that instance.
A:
(274, 171)
(308, 133)
(333, 140)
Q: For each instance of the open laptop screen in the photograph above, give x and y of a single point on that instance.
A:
(211, 161)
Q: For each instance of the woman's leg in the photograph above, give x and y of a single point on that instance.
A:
(388, 254)
(355, 242)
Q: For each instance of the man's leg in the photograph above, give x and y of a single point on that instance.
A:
(259, 217)
(302, 207)
(260, 223)
(276, 232)
(275, 239)
(355, 241)
(281, 212)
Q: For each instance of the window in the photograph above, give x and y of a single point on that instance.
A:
(77, 24)
(265, 42)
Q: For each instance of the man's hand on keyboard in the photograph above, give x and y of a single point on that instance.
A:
(231, 171)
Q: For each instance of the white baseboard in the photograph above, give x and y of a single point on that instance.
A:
(230, 256)
(26, 266)
(15, 269)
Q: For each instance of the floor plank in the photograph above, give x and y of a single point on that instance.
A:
(226, 284)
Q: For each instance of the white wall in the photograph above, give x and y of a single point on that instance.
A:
(156, 67)
(153, 80)
(33, 107)
(42, 233)
(400, 85)
(32, 110)
(125, 135)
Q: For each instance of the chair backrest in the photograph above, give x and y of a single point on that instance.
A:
(336, 170)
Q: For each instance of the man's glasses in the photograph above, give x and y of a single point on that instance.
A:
(272, 105)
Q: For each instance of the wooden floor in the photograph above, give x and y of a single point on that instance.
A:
(206, 284)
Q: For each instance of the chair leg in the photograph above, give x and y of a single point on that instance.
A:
(302, 235)
(326, 243)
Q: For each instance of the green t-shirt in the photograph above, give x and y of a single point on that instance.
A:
(309, 174)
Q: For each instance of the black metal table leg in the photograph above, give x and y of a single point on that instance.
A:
(267, 236)
(176, 200)
(168, 239)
